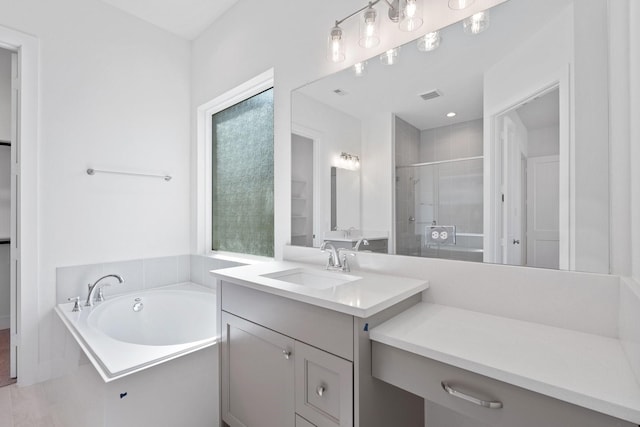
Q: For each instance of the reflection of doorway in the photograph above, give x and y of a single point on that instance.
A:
(301, 191)
(530, 182)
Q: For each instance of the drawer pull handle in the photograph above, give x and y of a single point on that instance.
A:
(484, 403)
(287, 354)
(320, 390)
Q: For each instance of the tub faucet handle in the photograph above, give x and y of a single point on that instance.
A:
(76, 306)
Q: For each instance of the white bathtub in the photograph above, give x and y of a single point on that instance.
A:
(119, 340)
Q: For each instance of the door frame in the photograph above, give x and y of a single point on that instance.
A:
(25, 243)
(492, 185)
(318, 186)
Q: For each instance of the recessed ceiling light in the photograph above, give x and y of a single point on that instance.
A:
(451, 114)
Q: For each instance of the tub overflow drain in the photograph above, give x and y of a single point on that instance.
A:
(138, 306)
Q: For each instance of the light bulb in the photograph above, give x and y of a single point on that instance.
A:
(335, 47)
(410, 15)
(477, 23)
(369, 32)
(460, 4)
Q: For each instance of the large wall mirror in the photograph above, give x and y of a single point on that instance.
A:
(491, 147)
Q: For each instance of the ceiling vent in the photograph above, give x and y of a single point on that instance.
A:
(431, 94)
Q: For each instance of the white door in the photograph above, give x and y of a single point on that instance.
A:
(543, 204)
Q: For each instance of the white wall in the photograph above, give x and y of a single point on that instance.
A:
(634, 49)
(338, 132)
(543, 141)
(114, 93)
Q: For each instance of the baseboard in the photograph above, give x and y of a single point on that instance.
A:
(5, 322)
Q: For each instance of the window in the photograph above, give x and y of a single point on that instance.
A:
(242, 177)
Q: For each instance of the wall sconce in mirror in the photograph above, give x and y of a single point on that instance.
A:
(407, 13)
(348, 161)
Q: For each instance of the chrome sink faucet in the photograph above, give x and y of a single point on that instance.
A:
(97, 287)
(337, 260)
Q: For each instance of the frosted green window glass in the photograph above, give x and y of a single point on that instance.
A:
(243, 177)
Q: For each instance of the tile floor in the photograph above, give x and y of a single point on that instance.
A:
(25, 407)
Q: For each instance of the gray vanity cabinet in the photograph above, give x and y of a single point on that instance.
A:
(258, 378)
(287, 363)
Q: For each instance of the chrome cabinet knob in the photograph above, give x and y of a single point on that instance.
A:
(287, 354)
(320, 390)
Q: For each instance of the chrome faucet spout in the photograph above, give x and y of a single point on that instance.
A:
(334, 259)
(361, 241)
(98, 285)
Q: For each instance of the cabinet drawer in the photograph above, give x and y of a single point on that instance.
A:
(324, 387)
(301, 422)
(318, 326)
(520, 407)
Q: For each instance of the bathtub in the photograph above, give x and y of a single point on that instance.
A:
(128, 333)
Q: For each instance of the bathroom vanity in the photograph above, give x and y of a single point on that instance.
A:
(503, 372)
(296, 352)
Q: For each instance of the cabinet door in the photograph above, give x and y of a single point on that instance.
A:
(301, 422)
(257, 375)
(324, 387)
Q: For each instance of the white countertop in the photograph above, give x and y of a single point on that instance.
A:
(364, 297)
(591, 371)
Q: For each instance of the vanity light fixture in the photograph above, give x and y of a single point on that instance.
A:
(407, 13)
(348, 161)
(476, 23)
(390, 57)
(460, 4)
(360, 68)
(369, 28)
(429, 42)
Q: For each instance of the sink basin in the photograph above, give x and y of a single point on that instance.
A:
(316, 279)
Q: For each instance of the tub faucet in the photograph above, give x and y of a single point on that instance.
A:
(97, 287)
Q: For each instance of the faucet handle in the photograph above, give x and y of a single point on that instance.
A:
(76, 306)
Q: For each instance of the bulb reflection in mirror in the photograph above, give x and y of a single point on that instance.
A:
(477, 23)
(429, 42)
(360, 69)
(335, 47)
(390, 57)
(410, 15)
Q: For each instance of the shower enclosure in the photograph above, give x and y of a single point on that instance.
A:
(439, 191)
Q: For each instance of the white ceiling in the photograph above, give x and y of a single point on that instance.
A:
(456, 69)
(186, 18)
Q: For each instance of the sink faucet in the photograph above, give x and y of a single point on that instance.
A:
(337, 260)
(97, 287)
(361, 241)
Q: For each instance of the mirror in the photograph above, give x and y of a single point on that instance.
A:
(516, 174)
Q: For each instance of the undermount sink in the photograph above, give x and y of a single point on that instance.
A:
(312, 278)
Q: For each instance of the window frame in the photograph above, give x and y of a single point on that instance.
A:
(204, 159)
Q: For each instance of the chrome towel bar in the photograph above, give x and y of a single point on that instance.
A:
(92, 171)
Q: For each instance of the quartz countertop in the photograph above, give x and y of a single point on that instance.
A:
(369, 294)
(588, 370)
